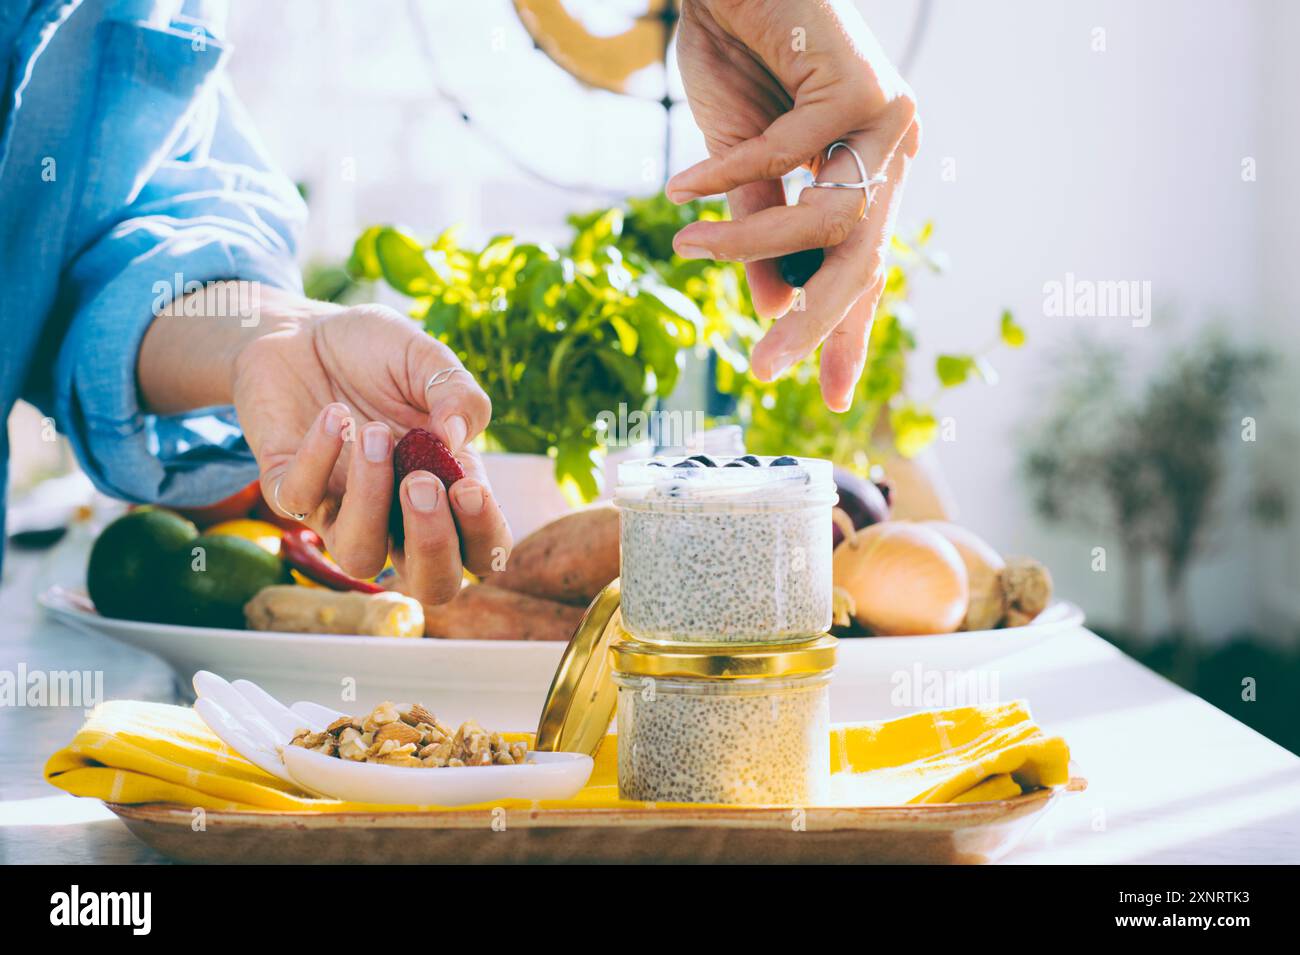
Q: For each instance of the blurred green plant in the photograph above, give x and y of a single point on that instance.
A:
(553, 336)
(1145, 464)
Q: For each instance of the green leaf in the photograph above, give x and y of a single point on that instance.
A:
(401, 259)
(953, 370)
(629, 372)
(579, 462)
(914, 429)
(363, 263)
(1013, 335)
(674, 303)
(517, 438)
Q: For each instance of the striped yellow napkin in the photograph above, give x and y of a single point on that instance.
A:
(132, 752)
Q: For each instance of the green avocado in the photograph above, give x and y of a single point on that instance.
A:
(128, 560)
(208, 582)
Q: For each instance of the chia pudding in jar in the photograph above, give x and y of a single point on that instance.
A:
(708, 739)
(735, 550)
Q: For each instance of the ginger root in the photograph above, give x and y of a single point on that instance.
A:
(291, 609)
(1027, 585)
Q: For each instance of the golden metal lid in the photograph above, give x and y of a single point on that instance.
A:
(583, 696)
(736, 662)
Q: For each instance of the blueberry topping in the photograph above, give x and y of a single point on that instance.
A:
(784, 461)
(735, 464)
(704, 459)
(688, 463)
(656, 464)
(751, 460)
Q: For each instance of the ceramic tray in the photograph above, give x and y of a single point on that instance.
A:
(949, 833)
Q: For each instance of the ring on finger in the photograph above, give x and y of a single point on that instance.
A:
(275, 499)
(866, 183)
(445, 375)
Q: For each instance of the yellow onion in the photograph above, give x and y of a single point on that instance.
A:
(984, 567)
(904, 579)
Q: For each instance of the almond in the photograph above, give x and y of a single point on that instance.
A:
(417, 714)
(397, 731)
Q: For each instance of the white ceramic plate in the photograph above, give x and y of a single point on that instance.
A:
(502, 683)
(259, 727)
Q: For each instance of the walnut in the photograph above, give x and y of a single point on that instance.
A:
(342, 723)
(396, 759)
(353, 745)
(381, 714)
(320, 742)
(391, 747)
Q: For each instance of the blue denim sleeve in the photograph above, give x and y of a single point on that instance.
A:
(215, 210)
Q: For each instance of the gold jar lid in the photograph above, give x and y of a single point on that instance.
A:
(741, 661)
(583, 695)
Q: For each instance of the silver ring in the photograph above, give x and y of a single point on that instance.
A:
(866, 183)
(443, 376)
(275, 499)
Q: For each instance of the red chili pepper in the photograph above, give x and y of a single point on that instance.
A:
(305, 552)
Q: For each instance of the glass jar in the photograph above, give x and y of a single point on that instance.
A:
(734, 553)
(744, 726)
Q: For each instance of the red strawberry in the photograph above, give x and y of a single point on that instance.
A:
(420, 451)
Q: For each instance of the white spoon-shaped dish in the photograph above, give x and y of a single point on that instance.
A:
(259, 727)
(543, 776)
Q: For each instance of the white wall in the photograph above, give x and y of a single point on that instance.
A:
(1122, 164)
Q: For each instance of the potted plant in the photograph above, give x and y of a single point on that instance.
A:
(560, 339)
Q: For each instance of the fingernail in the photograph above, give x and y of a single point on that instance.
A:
(469, 497)
(678, 194)
(780, 364)
(334, 418)
(694, 252)
(375, 439)
(423, 492)
(457, 430)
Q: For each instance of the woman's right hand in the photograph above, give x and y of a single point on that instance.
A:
(772, 83)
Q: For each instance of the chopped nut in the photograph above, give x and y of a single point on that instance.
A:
(352, 745)
(342, 723)
(381, 714)
(391, 747)
(432, 734)
(417, 714)
(398, 731)
(396, 760)
(411, 736)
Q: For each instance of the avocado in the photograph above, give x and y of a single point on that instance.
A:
(208, 582)
(128, 559)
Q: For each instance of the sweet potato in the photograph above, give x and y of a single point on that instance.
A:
(485, 612)
(570, 559)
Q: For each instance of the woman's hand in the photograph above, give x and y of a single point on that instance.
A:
(322, 393)
(772, 83)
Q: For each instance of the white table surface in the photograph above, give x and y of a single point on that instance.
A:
(1171, 778)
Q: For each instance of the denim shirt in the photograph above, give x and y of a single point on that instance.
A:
(128, 171)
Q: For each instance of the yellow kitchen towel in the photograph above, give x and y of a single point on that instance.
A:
(132, 752)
